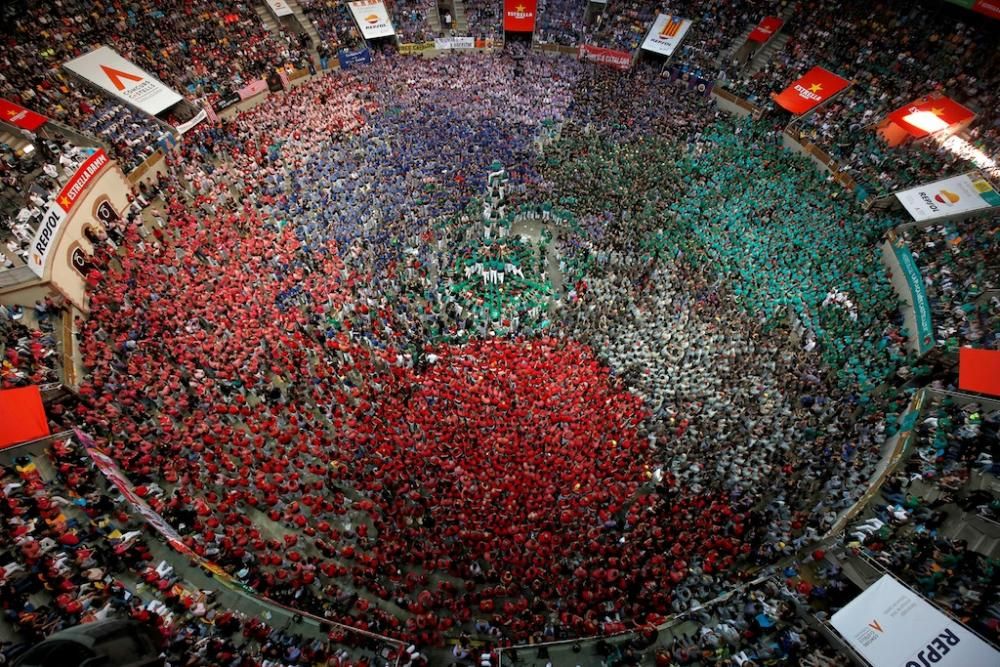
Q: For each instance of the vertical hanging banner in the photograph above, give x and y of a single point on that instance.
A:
(765, 29)
(107, 70)
(816, 87)
(666, 34)
(519, 15)
(891, 626)
(20, 117)
(924, 335)
(372, 18)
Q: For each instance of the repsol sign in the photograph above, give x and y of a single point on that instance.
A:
(47, 232)
(936, 649)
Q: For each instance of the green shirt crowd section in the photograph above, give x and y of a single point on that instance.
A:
(784, 239)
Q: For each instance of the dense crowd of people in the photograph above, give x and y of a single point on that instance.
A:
(350, 273)
(910, 533)
(311, 347)
(959, 264)
(30, 355)
(333, 23)
(74, 551)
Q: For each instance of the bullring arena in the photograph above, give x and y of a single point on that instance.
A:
(500, 333)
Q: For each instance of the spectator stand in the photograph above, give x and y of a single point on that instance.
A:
(57, 471)
(36, 164)
(33, 341)
(934, 522)
(762, 619)
(295, 23)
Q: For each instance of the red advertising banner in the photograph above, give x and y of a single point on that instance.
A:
(519, 15)
(930, 114)
(20, 117)
(84, 175)
(765, 29)
(979, 370)
(22, 416)
(990, 8)
(618, 59)
(816, 87)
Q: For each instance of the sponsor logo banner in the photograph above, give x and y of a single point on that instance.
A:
(20, 117)
(519, 15)
(112, 73)
(406, 49)
(279, 7)
(595, 54)
(372, 18)
(227, 100)
(455, 43)
(666, 34)
(765, 29)
(948, 197)
(930, 114)
(918, 298)
(816, 87)
(56, 211)
(76, 186)
(888, 624)
(41, 245)
(349, 59)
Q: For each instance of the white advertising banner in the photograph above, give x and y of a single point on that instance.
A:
(666, 34)
(185, 127)
(279, 7)
(444, 43)
(48, 230)
(372, 18)
(891, 626)
(58, 209)
(948, 197)
(109, 71)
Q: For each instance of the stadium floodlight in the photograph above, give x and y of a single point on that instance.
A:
(926, 120)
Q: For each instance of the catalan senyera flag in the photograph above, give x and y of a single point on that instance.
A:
(519, 15)
(666, 34)
(816, 87)
(930, 114)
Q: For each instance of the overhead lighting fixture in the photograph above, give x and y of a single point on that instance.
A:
(925, 121)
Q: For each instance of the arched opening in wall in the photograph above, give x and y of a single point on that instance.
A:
(94, 233)
(104, 212)
(80, 260)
